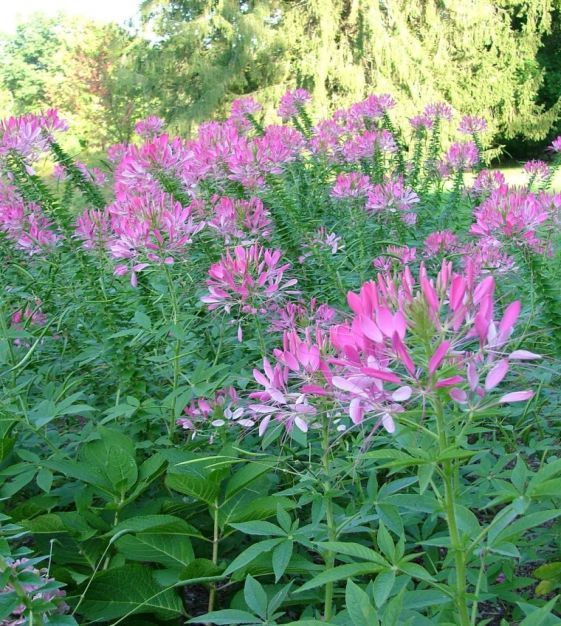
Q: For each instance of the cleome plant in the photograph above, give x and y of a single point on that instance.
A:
(302, 373)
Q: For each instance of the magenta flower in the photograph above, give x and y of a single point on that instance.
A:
(93, 227)
(241, 221)
(440, 242)
(438, 110)
(556, 144)
(149, 229)
(421, 123)
(537, 170)
(27, 227)
(241, 109)
(367, 144)
(247, 279)
(291, 103)
(149, 127)
(470, 125)
(462, 156)
(487, 181)
(512, 215)
(29, 135)
(351, 185)
(393, 196)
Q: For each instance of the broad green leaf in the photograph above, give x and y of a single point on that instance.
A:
(353, 549)
(359, 607)
(416, 571)
(548, 571)
(340, 573)
(260, 528)
(129, 589)
(382, 587)
(245, 476)
(533, 520)
(385, 542)
(170, 550)
(201, 487)
(255, 597)
(281, 558)
(226, 617)
(251, 553)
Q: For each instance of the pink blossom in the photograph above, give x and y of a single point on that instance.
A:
(488, 180)
(292, 102)
(556, 144)
(351, 185)
(513, 215)
(440, 242)
(248, 279)
(367, 144)
(537, 170)
(149, 127)
(438, 110)
(242, 109)
(470, 125)
(421, 122)
(393, 196)
(462, 156)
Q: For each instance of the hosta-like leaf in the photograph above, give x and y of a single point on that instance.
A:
(129, 589)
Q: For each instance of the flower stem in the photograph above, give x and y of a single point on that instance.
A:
(448, 473)
(176, 352)
(215, 542)
(329, 557)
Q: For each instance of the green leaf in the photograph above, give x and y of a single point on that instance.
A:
(358, 606)
(244, 476)
(114, 457)
(168, 524)
(416, 571)
(44, 479)
(281, 558)
(548, 571)
(353, 549)
(225, 618)
(382, 587)
(255, 597)
(385, 542)
(201, 487)
(340, 573)
(128, 589)
(250, 554)
(541, 616)
(171, 549)
(424, 474)
(259, 528)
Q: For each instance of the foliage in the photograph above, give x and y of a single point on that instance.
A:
(297, 373)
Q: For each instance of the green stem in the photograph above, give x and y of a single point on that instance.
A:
(215, 543)
(448, 473)
(330, 521)
(176, 352)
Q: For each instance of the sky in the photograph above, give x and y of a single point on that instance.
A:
(14, 11)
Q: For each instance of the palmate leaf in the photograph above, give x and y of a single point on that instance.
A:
(129, 589)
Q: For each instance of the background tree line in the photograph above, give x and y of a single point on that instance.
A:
(186, 60)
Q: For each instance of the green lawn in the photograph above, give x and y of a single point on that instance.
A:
(515, 175)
